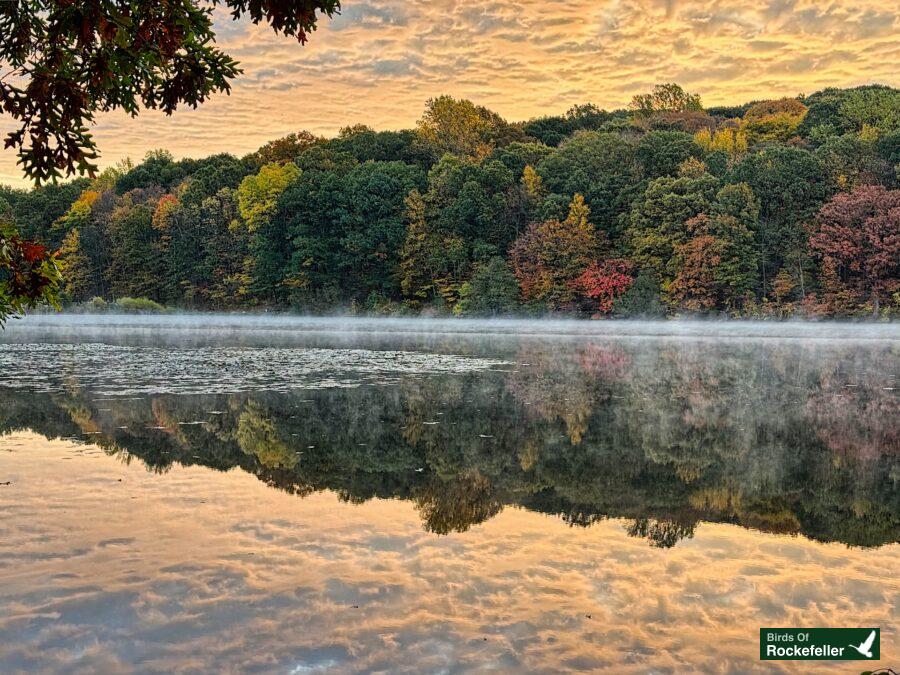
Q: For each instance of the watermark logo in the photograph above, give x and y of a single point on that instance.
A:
(819, 644)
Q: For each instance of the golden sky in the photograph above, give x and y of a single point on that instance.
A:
(381, 59)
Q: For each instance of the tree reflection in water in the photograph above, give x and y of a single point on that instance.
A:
(782, 437)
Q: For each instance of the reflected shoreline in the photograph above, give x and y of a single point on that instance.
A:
(779, 436)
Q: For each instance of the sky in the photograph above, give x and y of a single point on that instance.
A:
(380, 60)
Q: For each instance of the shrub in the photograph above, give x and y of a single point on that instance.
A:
(139, 305)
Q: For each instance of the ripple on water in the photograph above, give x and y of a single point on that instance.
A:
(115, 370)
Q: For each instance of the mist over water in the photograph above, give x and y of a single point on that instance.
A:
(77, 325)
(402, 495)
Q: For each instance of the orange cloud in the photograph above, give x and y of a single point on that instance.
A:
(380, 60)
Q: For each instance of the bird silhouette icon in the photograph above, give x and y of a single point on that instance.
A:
(865, 648)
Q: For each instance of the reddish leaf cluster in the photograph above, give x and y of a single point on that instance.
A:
(22, 269)
(606, 281)
(856, 235)
(548, 257)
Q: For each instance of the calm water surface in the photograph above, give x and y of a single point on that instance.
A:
(227, 494)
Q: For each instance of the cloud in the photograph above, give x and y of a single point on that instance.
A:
(382, 59)
(256, 579)
(370, 15)
(395, 66)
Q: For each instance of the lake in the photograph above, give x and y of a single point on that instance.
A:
(290, 495)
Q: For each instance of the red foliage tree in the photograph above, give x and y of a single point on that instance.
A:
(28, 274)
(606, 281)
(856, 237)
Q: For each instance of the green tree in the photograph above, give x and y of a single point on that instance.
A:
(642, 299)
(790, 184)
(210, 175)
(365, 144)
(216, 276)
(313, 210)
(158, 170)
(133, 269)
(668, 97)
(375, 230)
(835, 111)
(849, 161)
(347, 232)
(549, 130)
(516, 156)
(603, 167)
(35, 212)
(257, 198)
(473, 200)
(659, 219)
(492, 290)
(662, 152)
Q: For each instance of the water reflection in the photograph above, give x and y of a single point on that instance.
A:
(107, 568)
(782, 437)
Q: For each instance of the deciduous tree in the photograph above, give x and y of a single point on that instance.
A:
(856, 238)
(662, 152)
(790, 185)
(773, 121)
(492, 290)
(29, 274)
(605, 282)
(462, 128)
(548, 257)
(668, 97)
(659, 219)
(269, 247)
(603, 168)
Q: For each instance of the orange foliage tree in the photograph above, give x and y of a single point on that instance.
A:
(549, 256)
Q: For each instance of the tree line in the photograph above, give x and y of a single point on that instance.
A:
(773, 208)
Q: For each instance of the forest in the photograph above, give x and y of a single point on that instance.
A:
(774, 208)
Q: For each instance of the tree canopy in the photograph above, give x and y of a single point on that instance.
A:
(625, 213)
